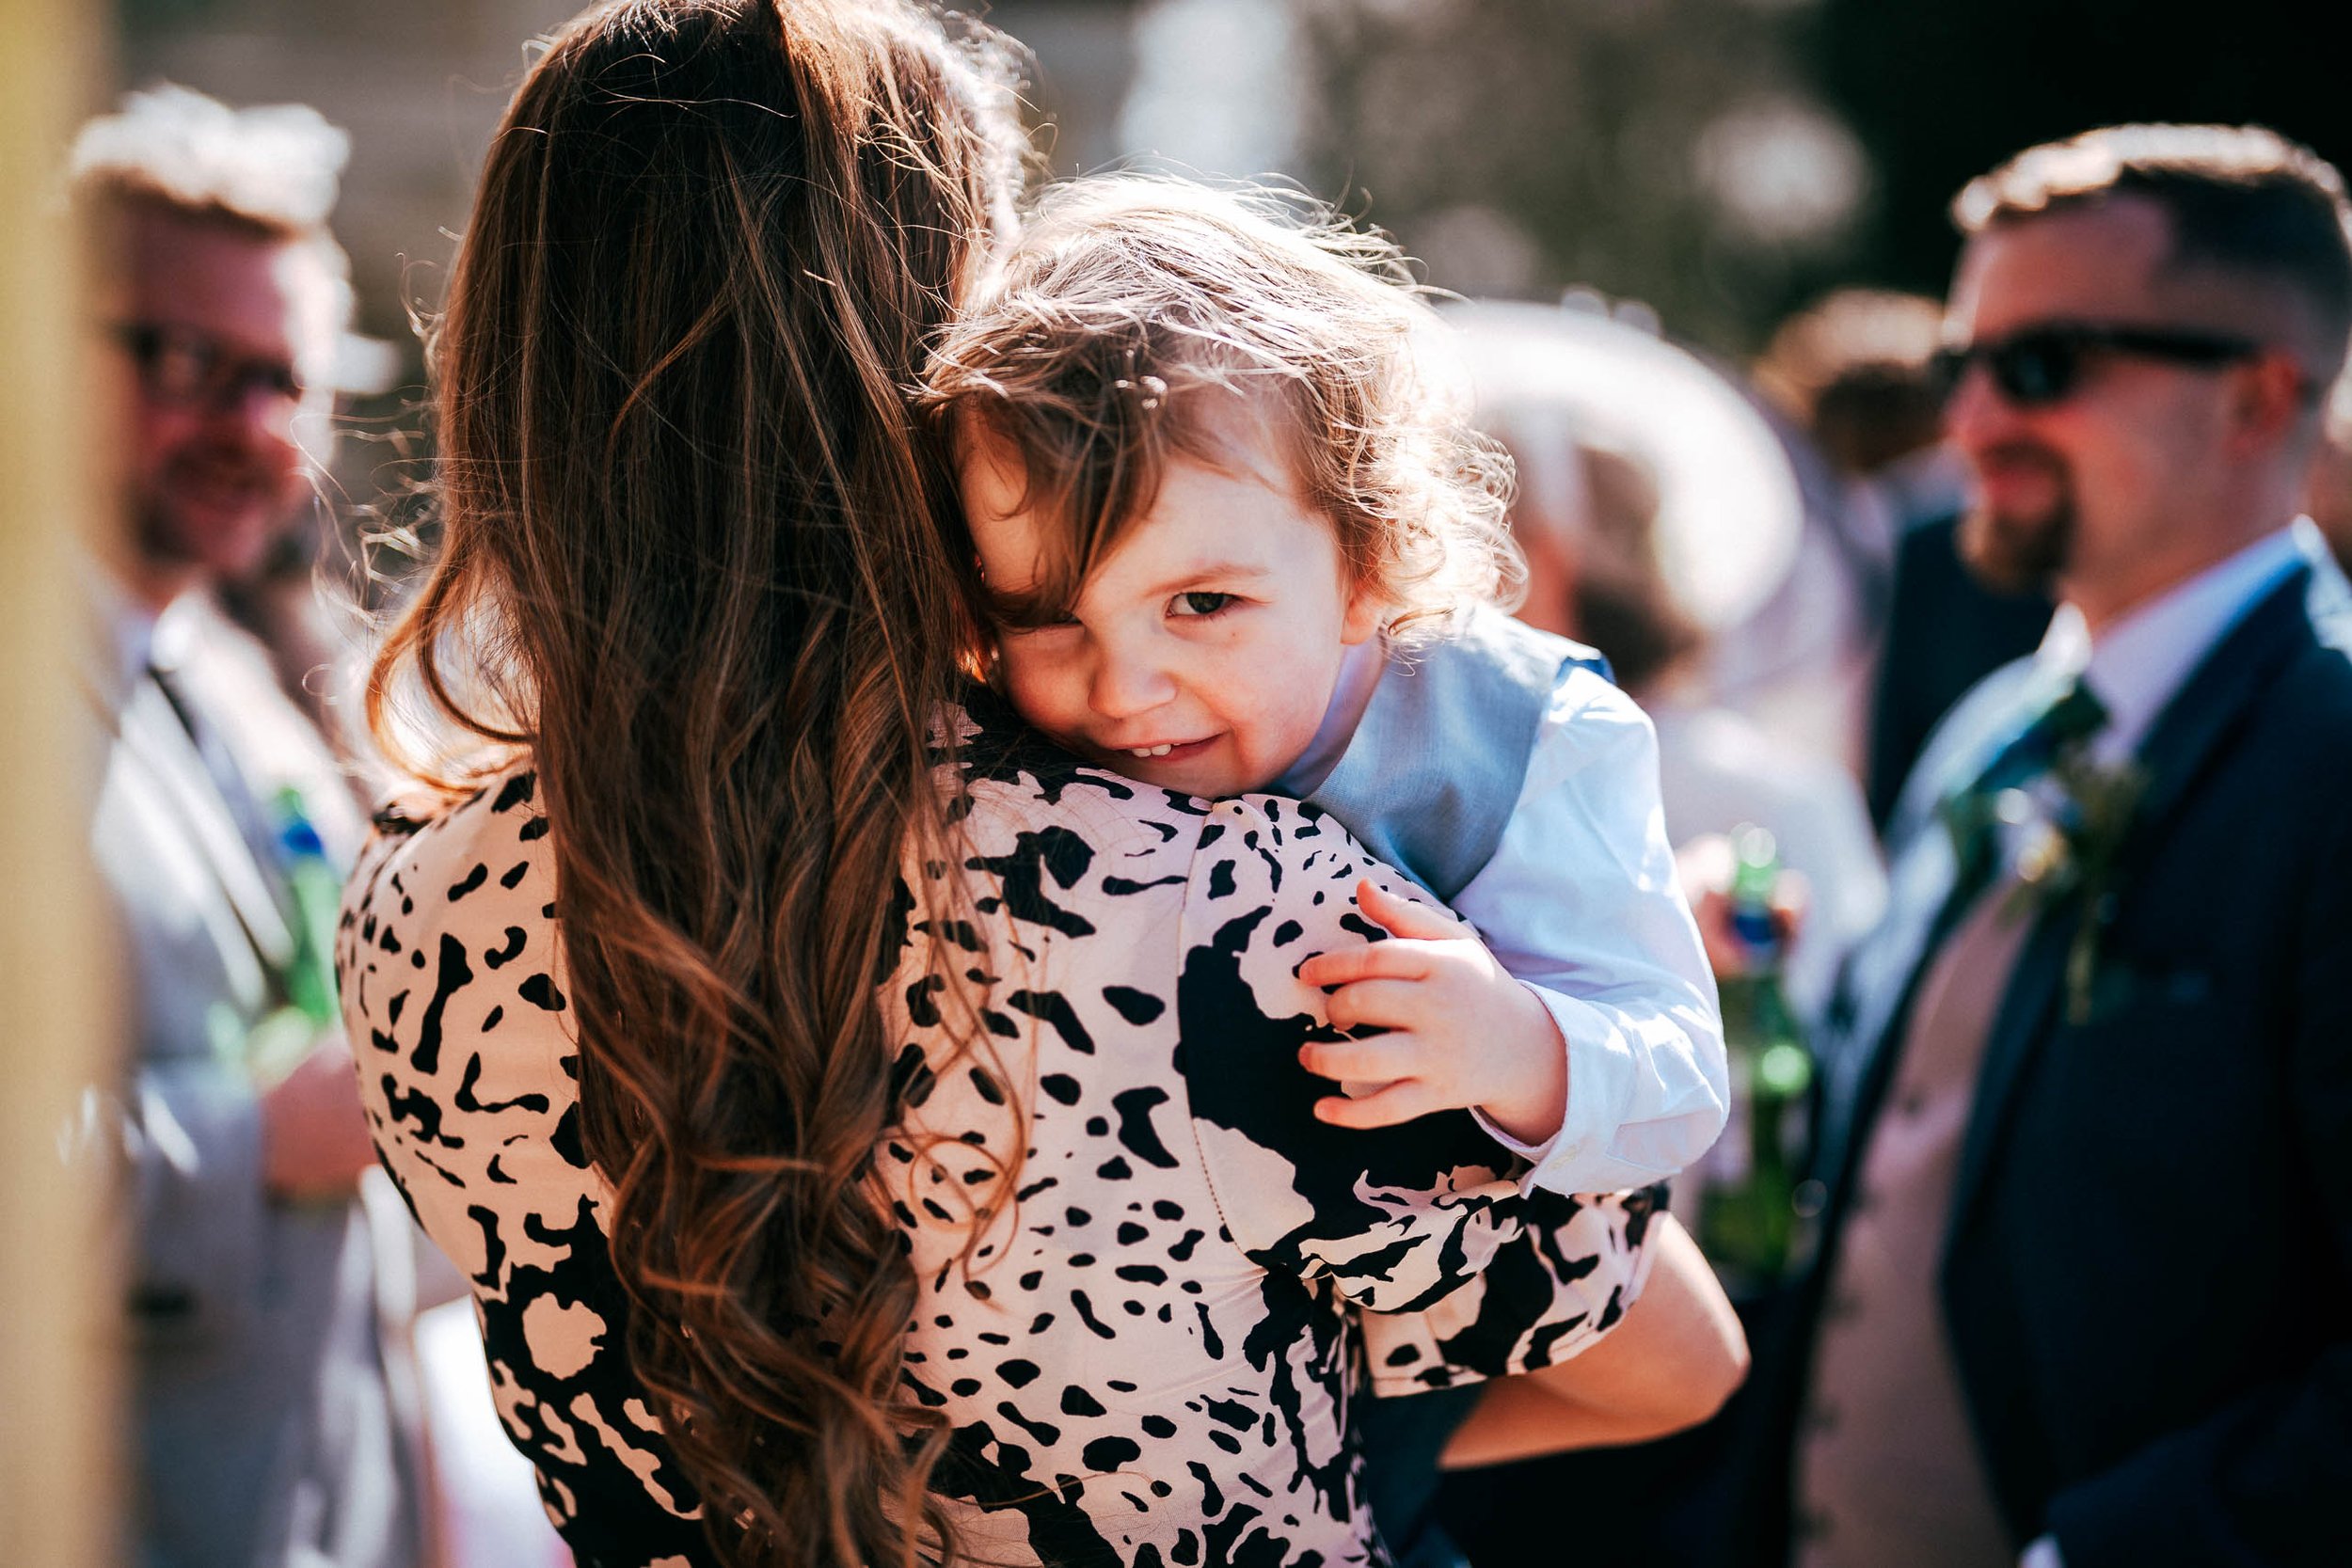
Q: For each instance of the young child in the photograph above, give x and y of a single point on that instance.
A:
(1233, 541)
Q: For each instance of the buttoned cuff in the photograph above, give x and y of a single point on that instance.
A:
(1592, 1152)
(1534, 1155)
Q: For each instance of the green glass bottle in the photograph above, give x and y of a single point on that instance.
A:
(272, 1047)
(1747, 1220)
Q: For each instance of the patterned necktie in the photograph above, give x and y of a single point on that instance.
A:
(1973, 812)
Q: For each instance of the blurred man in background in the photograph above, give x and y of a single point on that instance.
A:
(270, 1428)
(2085, 1289)
(1855, 372)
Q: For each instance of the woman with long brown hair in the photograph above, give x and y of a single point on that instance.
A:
(749, 1007)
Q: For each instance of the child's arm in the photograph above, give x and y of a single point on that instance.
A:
(1582, 904)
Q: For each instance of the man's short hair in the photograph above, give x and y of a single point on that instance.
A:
(2240, 199)
(272, 171)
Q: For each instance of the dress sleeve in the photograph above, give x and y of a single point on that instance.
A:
(453, 990)
(1460, 1274)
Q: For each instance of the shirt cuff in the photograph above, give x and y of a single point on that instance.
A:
(1534, 1155)
(1592, 1152)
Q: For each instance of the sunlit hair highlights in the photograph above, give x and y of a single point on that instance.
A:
(694, 559)
(1135, 310)
(270, 173)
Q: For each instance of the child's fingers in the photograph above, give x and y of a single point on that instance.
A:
(1403, 917)
(1371, 960)
(1386, 1004)
(1397, 1103)
(1382, 1059)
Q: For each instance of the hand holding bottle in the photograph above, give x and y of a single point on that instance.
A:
(1709, 866)
(1747, 1220)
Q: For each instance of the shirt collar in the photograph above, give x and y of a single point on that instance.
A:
(2135, 666)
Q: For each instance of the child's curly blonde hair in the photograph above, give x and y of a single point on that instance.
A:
(1114, 333)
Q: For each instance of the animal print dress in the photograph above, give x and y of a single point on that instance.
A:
(1155, 1358)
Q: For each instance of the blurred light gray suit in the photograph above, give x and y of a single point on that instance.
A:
(271, 1428)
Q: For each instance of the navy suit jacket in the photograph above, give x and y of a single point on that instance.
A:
(2146, 1271)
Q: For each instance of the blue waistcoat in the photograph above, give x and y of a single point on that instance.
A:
(1434, 770)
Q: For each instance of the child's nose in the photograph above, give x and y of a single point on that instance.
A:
(1128, 687)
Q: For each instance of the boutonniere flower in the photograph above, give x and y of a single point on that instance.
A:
(2064, 850)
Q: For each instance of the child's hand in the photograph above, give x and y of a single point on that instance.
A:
(1462, 1032)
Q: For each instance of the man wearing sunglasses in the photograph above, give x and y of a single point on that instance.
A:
(269, 1426)
(2083, 1292)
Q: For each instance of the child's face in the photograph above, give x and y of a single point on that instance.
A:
(1210, 641)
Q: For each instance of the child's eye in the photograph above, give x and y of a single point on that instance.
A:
(1035, 628)
(1197, 604)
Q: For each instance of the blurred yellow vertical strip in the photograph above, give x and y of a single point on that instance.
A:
(59, 1387)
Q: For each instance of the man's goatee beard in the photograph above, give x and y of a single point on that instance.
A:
(2012, 555)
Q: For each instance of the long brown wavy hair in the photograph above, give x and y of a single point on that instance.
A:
(694, 559)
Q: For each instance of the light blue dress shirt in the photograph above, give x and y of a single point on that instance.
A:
(1502, 771)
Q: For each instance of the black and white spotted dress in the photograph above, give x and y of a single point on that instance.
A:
(1155, 1358)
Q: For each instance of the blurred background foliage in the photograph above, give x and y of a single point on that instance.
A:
(1717, 161)
(1726, 160)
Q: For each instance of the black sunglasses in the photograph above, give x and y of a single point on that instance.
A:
(2043, 365)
